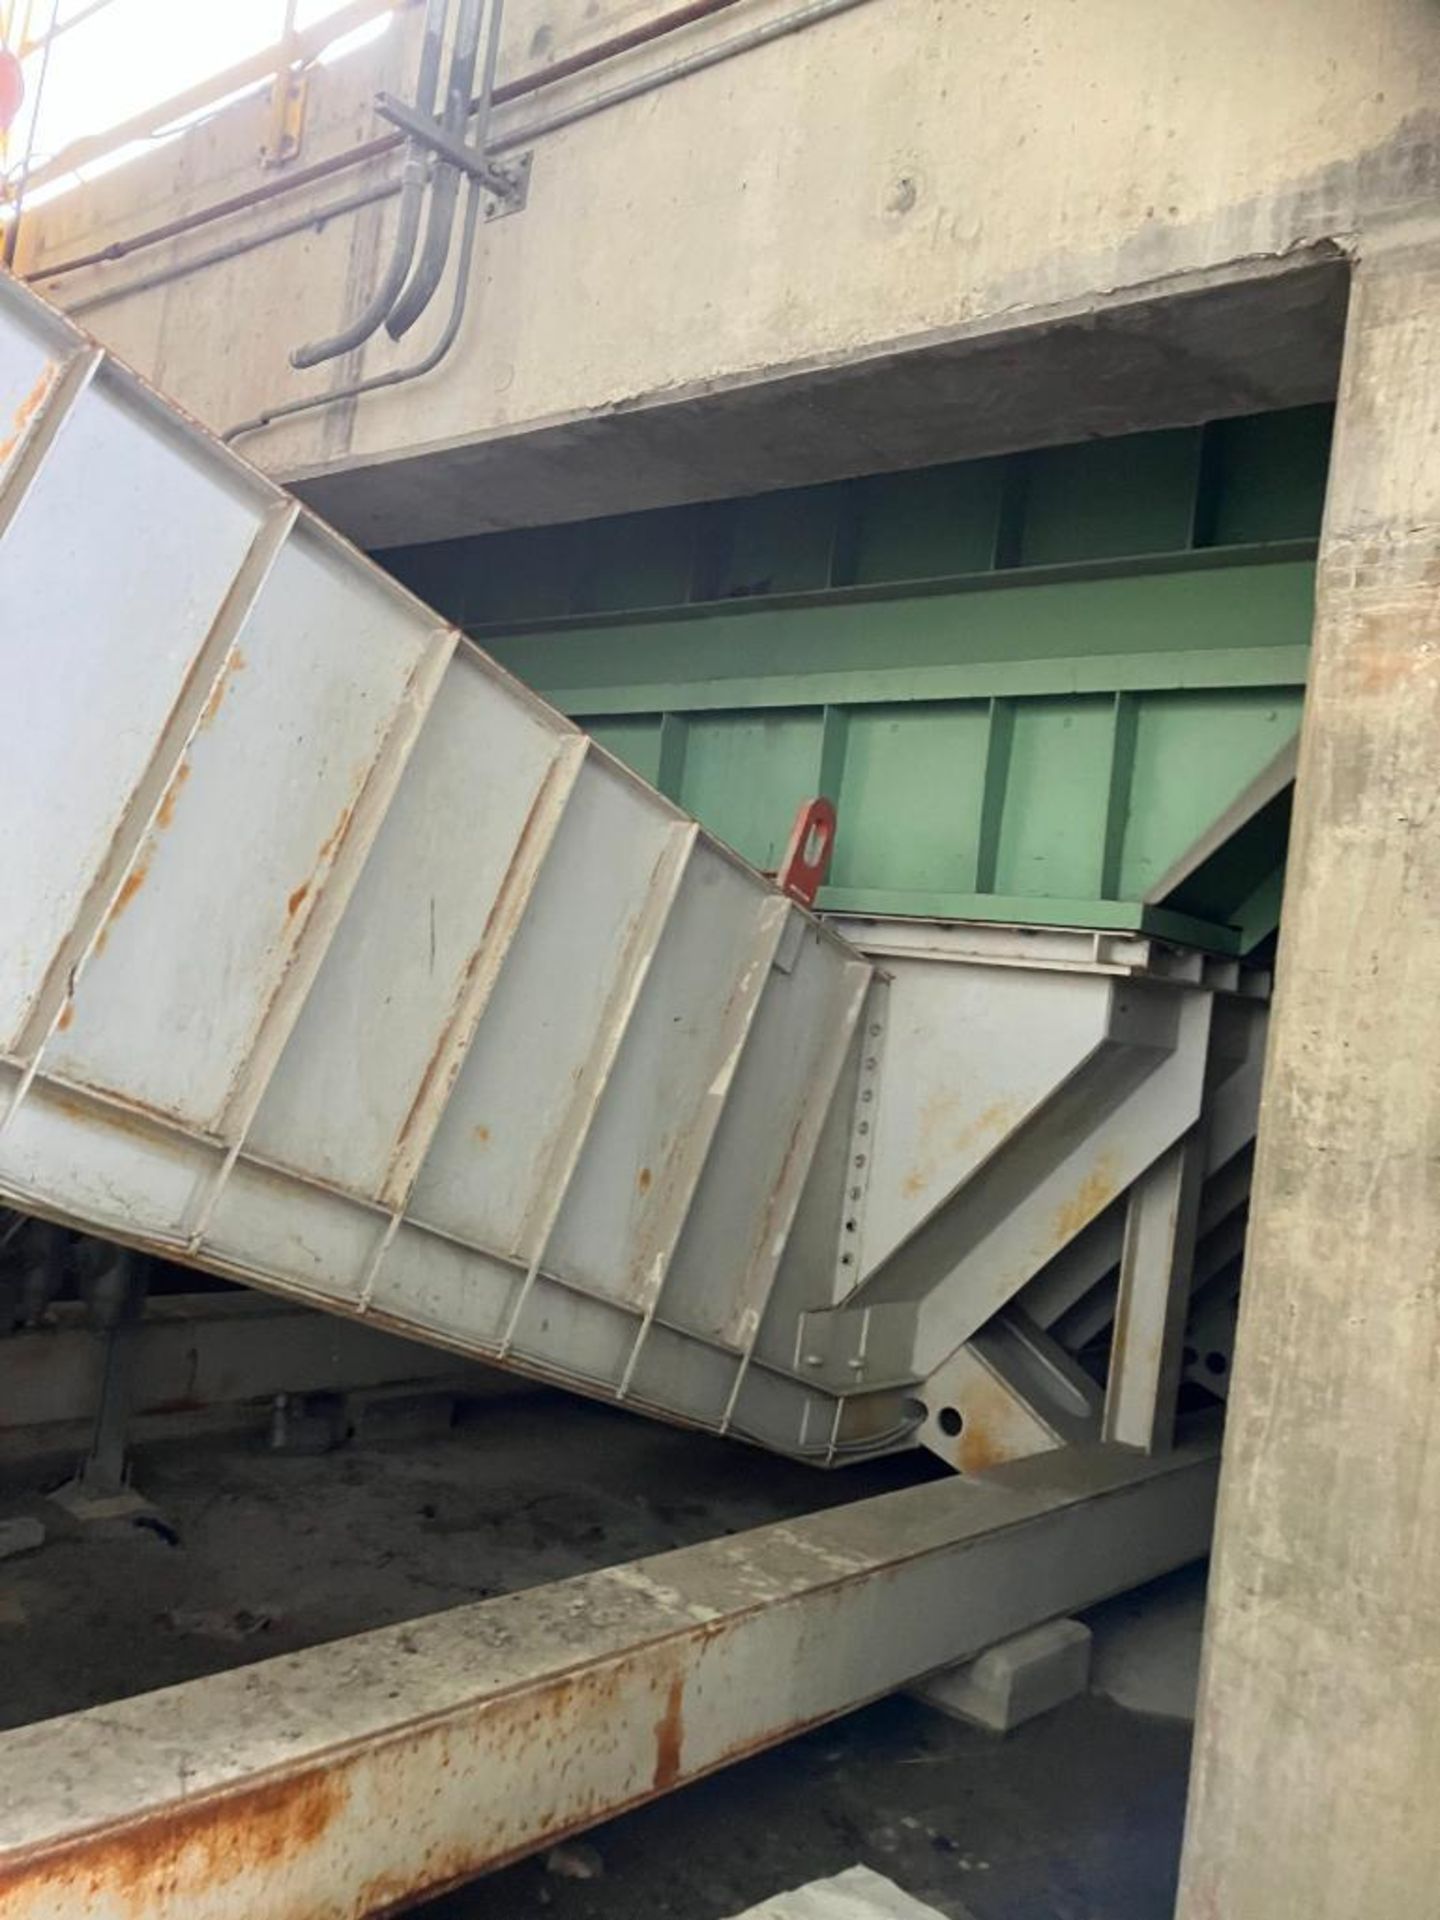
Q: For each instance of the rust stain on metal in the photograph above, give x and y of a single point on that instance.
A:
(236, 663)
(976, 1451)
(506, 909)
(481, 1136)
(677, 1180)
(27, 410)
(140, 872)
(327, 847)
(166, 811)
(288, 1848)
(118, 1110)
(180, 1853)
(444, 1063)
(1090, 1198)
(337, 834)
(996, 1429)
(129, 887)
(755, 1275)
(670, 1736)
(297, 897)
(66, 1016)
(941, 1140)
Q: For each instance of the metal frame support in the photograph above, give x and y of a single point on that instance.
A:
(198, 1356)
(354, 1777)
(101, 1488)
(1156, 1261)
(508, 181)
(285, 122)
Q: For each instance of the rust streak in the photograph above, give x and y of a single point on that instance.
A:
(995, 1429)
(277, 1843)
(745, 1301)
(297, 899)
(166, 812)
(236, 663)
(941, 1141)
(127, 1114)
(140, 872)
(643, 1179)
(130, 886)
(670, 1736)
(979, 1451)
(1089, 1199)
(507, 908)
(66, 1016)
(337, 834)
(186, 1850)
(27, 410)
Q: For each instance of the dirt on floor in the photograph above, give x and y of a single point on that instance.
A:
(1073, 1817)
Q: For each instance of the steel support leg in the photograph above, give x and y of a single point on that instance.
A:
(101, 1488)
(1156, 1260)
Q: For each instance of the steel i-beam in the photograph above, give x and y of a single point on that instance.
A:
(352, 1778)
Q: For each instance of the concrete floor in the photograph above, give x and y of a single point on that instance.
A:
(1074, 1817)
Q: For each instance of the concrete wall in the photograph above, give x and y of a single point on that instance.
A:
(1318, 1743)
(912, 174)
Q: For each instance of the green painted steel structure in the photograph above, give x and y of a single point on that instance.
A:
(1030, 684)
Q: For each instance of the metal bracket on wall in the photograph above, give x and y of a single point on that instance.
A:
(285, 125)
(517, 169)
(506, 181)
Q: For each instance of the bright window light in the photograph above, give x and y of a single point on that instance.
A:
(117, 58)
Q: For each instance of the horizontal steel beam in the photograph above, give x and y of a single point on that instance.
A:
(351, 1778)
(197, 1351)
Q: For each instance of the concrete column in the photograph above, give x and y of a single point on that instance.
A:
(1317, 1759)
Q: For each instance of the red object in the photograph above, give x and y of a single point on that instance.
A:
(807, 858)
(12, 88)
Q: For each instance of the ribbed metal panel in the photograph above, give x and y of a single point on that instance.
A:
(332, 958)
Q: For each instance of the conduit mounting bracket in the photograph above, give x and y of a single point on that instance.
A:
(517, 168)
(506, 181)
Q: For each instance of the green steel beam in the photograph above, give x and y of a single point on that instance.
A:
(1204, 626)
(1056, 799)
(1001, 679)
(1032, 685)
(1125, 502)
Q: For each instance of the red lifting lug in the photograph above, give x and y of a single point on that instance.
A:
(807, 857)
